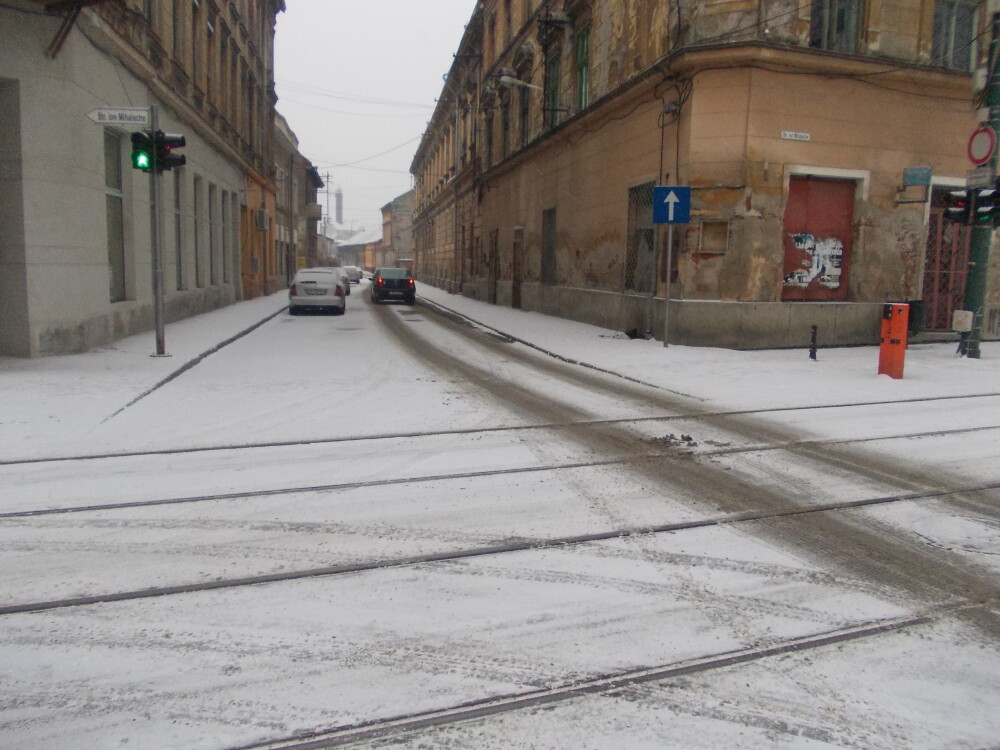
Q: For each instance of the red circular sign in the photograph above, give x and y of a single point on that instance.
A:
(982, 144)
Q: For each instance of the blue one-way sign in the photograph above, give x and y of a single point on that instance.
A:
(671, 204)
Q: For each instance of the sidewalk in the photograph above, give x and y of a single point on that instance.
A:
(742, 379)
(58, 399)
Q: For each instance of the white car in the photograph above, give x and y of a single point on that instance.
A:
(353, 273)
(317, 289)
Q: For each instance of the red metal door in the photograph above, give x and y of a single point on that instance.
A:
(945, 270)
(818, 229)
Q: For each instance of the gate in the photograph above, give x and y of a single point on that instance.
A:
(946, 266)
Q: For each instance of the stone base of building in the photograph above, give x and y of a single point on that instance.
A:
(729, 325)
(128, 319)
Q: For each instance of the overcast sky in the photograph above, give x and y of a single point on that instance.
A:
(357, 81)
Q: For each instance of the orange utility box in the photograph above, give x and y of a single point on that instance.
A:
(892, 352)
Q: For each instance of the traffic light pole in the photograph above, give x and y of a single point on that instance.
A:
(982, 236)
(154, 243)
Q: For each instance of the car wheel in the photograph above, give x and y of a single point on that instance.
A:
(411, 301)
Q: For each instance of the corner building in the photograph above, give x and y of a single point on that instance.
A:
(799, 129)
(76, 237)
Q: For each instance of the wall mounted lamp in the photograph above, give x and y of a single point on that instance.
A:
(511, 81)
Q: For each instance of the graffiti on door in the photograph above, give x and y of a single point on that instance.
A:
(821, 259)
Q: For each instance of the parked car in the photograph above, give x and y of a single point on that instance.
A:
(393, 284)
(353, 273)
(346, 279)
(317, 289)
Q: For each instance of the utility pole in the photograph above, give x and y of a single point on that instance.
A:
(156, 250)
(982, 236)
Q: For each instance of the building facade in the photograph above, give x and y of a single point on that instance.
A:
(397, 232)
(799, 129)
(76, 243)
(297, 210)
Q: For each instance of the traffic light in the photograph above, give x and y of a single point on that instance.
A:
(958, 205)
(165, 145)
(987, 206)
(142, 151)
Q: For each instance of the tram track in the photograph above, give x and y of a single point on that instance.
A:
(930, 586)
(682, 449)
(867, 550)
(406, 435)
(396, 728)
(512, 547)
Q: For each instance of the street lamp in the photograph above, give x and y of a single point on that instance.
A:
(511, 81)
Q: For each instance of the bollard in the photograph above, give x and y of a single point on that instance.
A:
(812, 342)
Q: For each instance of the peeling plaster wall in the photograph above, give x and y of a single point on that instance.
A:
(761, 107)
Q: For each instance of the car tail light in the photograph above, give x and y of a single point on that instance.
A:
(339, 291)
(292, 291)
(412, 284)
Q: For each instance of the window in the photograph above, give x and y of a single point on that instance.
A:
(115, 214)
(551, 89)
(489, 137)
(199, 277)
(525, 114)
(195, 42)
(176, 31)
(640, 242)
(835, 24)
(549, 246)
(213, 244)
(505, 127)
(954, 29)
(227, 269)
(583, 68)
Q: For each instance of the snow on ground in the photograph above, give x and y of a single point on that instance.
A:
(256, 662)
(49, 405)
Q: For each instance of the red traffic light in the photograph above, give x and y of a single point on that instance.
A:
(165, 145)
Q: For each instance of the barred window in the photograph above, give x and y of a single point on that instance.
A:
(640, 243)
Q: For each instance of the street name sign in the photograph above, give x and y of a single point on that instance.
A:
(119, 116)
(671, 204)
(980, 177)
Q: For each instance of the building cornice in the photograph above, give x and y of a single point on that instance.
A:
(107, 39)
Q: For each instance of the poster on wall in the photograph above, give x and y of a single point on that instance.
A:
(821, 261)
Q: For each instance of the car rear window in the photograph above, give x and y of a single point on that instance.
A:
(316, 275)
(394, 273)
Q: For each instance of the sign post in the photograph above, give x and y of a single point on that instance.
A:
(982, 151)
(671, 205)
(144, 117)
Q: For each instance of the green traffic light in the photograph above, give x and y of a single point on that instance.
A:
(142, 151)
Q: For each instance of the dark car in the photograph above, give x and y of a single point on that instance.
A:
(393, 284)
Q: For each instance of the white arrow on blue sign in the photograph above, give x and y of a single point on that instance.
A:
(671, 204)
